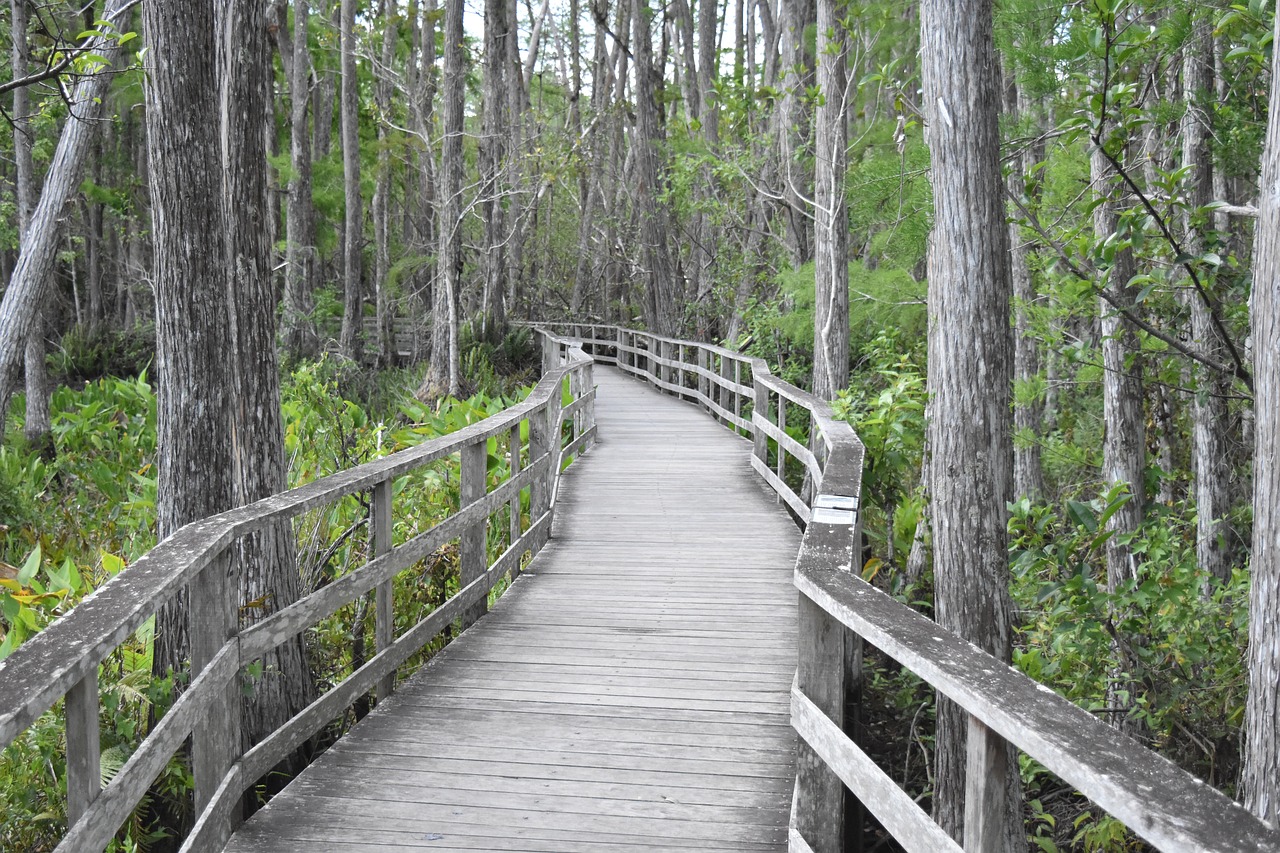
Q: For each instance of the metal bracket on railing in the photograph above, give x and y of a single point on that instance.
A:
(834, 509)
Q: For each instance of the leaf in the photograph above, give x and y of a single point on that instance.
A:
(1082, 515)
(30, 567)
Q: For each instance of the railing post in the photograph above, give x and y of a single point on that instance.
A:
(782, 427)
(737, 397)
(664, 369)
(760, 408)
(986, 772)
(84, 749)
(703, 382)
(589, 410)
(820, 676)
(725, 393)
(215, 743)
(473, 560)
(550, 354)
(621, 339)
(384, 598)
(514, 453)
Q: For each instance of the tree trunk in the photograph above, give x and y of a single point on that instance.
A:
(442, 373)
(29, 285)
(1028, 474)
(970, 372)
(385, 322)
(1124, 445)
(300, 340)
(661, 311)
(1260, 779)
(194, 345)
(831, 227)
(493, 154)
(794, 127)
(1211, 425)
(352, 340)
(268, 570)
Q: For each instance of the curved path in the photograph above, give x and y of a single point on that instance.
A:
(629, 692)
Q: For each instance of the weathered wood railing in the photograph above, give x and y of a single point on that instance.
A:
(63, 660)
(1163, 804)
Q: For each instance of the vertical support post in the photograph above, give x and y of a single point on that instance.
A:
(622, 356)
(215, 744)
(782, 427)
(664, 369)
(760, 409)
(986, 771)
(703, 382)
(513, 446)
(820, 675)
(737, 397)
(550, 354)
(589, 412)
(472, 559)
(384, 625)
(84, 749)
(726, 374)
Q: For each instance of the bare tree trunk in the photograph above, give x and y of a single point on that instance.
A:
(194, 345)
(1260, 779)
(1124, 445)
(794, 129)
(29, 285)
(269, 577)
(970, 374)
(498, 31)
(1028, 474)
(442, 373)
(352, 340)
(1211, 426)
(831, 227)
(300, 339)
(661, 310)
(386, 344)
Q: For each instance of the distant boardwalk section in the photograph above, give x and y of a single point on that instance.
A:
(630, 692)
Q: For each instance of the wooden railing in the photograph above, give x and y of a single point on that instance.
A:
(63, 660)
(1160, 802)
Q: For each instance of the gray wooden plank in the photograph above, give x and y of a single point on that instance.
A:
(629, 692)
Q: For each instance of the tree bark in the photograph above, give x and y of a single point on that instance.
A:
(300, 339)
(442, 373)
(493, 153)
(352, 340)
(1211, 426)
(1028, 474)
(1260, 779)
(29, 285)
(267, 561)
(661, 311)
(794, 129)
(385, 320)
(831, 225)
(194, 344)
(970, 370)
(1124, 445)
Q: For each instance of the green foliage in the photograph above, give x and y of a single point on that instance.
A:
(885, 405)
(87, 353)
(1169, 638)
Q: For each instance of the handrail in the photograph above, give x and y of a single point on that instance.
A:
(1165, 805)
(63, 660)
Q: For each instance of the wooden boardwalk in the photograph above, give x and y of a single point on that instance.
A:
(630, 692)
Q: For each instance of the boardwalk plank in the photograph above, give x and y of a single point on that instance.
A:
(629, 692)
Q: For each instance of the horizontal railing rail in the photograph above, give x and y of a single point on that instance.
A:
(1165, 805)
(64, 659)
